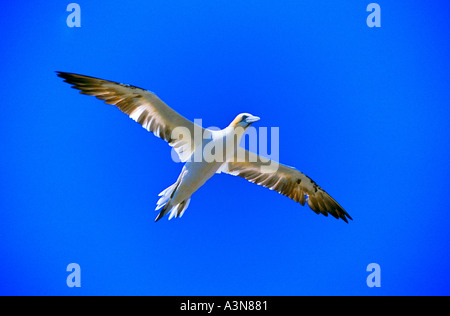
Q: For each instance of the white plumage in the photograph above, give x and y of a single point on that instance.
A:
(155, 116)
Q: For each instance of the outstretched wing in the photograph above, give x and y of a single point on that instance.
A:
(142, 106)
(287, 181)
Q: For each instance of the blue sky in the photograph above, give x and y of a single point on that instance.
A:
(362, 111)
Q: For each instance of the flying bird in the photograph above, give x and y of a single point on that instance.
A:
(155, 116)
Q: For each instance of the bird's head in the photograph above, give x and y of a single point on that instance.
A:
(244, 120)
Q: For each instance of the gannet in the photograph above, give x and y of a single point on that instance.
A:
(155, 116)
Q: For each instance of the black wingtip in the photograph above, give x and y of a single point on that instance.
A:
(68, 75)
(62, 74)
(345, 216)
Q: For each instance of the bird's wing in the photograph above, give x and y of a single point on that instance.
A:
(287, 181)
(142, 106)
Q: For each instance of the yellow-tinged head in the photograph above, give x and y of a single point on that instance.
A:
(244, 120)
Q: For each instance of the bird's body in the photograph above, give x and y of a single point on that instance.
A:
(199, 169)
(201, 164)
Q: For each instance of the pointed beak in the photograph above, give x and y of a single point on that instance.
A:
(252, 119)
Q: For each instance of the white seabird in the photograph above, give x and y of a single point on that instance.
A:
(154, 115)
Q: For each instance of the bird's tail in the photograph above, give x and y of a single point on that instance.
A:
(164, 202)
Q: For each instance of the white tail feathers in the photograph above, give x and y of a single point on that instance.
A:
(165, 196)
(178, 210)
(164, 203)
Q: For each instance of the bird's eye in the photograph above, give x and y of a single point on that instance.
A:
(244, 117)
